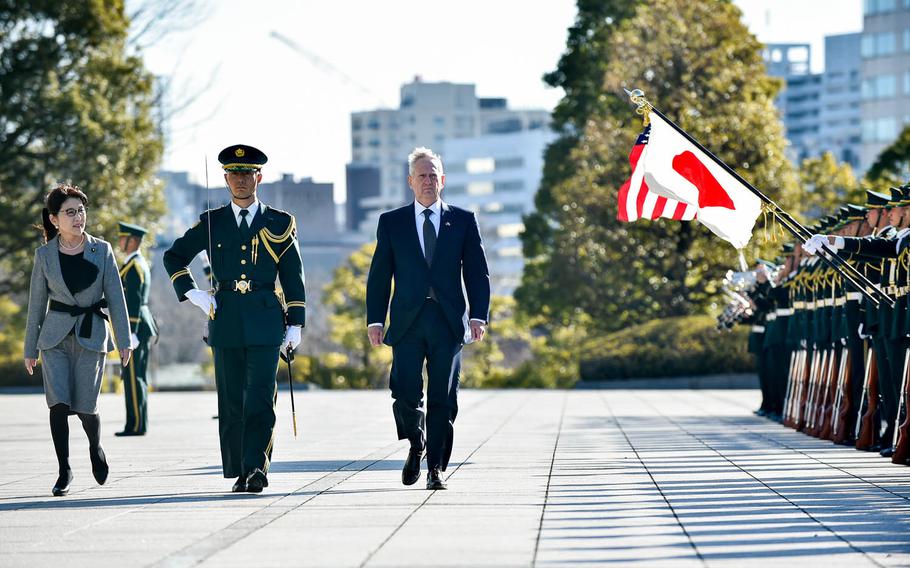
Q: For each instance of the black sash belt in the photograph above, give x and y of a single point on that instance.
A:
(85, 330)
(243, 286)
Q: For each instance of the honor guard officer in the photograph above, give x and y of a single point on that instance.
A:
(136, 278)
(249, 245)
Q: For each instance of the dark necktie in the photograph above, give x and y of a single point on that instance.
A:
(429, 236)
(244, 226)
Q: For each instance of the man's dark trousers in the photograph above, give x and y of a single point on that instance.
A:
(136, 390)
(246, 411)
(428, 339)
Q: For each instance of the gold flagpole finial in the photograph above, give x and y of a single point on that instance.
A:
(643, 107)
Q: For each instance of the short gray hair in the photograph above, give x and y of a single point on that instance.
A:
(420, 153)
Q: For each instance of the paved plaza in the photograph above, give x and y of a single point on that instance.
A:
(538, 478)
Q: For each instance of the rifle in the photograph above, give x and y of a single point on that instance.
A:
(865, 429)
(811, 424)
(825, 414)
(791, 372)
(901, 445)
(802, 396)
(842, 406)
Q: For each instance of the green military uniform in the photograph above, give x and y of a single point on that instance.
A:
(249, 324)
(137, 278)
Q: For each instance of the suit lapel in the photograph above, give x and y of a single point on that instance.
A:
(445, 227)
(52, 252)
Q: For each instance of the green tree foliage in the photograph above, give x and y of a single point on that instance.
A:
(699, 64)
(892, 167)
(346, 295)
(75, 105)
(827, 185)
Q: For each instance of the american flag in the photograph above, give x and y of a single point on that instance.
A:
(636, 201)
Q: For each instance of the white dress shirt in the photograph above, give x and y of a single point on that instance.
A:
(436, 208)
(436, 219)
(253, 209)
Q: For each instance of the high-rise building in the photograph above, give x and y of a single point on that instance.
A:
(820, 111)
(496, 176)
(428, 115)
(885, 72)
(362, 181)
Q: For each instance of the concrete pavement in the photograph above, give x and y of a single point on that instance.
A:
(546, 478)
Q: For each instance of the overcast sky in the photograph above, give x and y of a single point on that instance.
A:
(253, 88)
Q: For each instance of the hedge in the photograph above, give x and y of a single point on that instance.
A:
(671, 347)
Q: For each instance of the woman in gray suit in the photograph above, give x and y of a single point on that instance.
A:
(74, 277)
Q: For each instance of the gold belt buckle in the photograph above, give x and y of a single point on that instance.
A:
(242, 286)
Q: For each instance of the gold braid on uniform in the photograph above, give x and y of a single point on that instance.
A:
(179, 273)
(270, 237)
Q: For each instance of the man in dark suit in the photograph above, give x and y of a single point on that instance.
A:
(249, 246)
(428, 247)
(137, 281)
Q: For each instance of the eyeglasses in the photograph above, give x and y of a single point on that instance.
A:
(73, 212)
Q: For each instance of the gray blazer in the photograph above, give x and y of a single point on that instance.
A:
(45, 329)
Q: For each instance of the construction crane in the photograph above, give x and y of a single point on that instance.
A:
(328, 68)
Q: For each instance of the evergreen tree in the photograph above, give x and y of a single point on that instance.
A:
(892, 167)
(699, 64)
(827, 185)
(75, 105)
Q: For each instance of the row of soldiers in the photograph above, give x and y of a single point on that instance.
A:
(832, 362)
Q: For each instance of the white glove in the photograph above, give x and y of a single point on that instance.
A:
(291, 338)
(859, 332)
(814, 243)
(202, 299)
(134, 341)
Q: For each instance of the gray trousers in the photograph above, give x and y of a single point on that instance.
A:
(72, 375)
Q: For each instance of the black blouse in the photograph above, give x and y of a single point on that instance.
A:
(78, 273)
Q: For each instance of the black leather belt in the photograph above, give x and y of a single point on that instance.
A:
(85, 330)
(243, 286)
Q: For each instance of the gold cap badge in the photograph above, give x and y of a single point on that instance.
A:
(239, 152)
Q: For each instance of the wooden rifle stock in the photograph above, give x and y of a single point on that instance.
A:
(827, 408)
(842, 402)
(901, 443)
(795, 363)
(865, 427)
(802, 402)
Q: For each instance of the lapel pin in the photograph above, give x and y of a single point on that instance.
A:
(448, 224)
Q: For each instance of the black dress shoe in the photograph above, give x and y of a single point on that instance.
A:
(410, 473)
(99, 464)
(256, 481)
(886, 452)
(62, 487)
(129, 433)
(434, 480)
(240, 485)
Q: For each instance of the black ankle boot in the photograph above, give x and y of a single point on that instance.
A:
(100, 468)
(62, 487)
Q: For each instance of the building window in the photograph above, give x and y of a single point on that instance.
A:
(480, 165)
(507, 230)
(455, 189)
(878, 45)
(880, 129)
(439, 121)
(907, 34)
(509, 163)
(480, 188)
(355, 142)
(878, 6)
(879, 87)
(356, 123)
(509, 185)
(907, 83)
